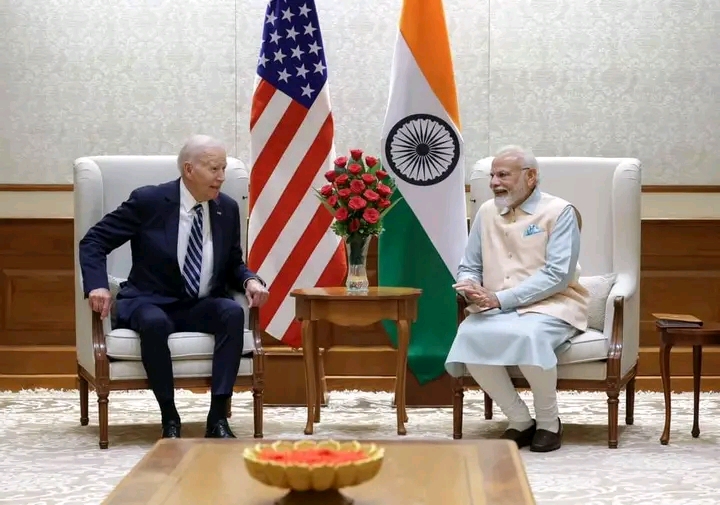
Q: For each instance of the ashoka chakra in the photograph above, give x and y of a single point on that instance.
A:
(422, 149)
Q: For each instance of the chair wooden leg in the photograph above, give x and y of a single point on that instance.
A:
(102, 395)
(458, 395)
(488, 406)
(228, 408)
(630, 402)
(83, 388)
(258, 411)
(613, 414)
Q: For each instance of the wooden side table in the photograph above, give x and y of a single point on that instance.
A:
(337, 306)
(708, 334)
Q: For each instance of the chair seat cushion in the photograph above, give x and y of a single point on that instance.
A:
(182, 369)
(588, 346)
(124, 345)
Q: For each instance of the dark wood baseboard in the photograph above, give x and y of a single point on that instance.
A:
(680, 273)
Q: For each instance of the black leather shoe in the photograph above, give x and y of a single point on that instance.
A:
(171, 429)
(546, 441)
(220, 429)
(521, 438)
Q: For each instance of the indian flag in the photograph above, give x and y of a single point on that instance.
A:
(426, 232)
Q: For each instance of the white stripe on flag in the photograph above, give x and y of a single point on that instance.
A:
(266, 123)
(282, 174)
(291, 233)
(308, 277)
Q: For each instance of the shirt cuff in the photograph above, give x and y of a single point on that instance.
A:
(253, 279)
(507, 299)
(466, 277)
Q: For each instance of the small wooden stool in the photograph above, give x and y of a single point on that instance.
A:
(708, 334)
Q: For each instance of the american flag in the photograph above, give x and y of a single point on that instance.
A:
(291, 146)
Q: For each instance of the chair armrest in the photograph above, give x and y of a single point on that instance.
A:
(102, 363)
(461, 306)
(252, 316)
(621, 327)
(624, 286)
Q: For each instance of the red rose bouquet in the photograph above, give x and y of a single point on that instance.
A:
(358, 194)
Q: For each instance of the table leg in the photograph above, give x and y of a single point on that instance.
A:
(318, 383)
(665, 375)
(403, 334)
(308, 342)
(697, 371)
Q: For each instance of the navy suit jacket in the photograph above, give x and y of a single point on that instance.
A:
(149, 219)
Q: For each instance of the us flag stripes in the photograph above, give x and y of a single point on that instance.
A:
(290, 243)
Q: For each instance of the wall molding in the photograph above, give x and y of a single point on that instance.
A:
(38, 201)
(34, 188)
(670, 188)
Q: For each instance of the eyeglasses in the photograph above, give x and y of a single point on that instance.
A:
(504, 174)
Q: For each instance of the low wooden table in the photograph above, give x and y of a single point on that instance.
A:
(206, 471)
(708, 334)
(337, 306)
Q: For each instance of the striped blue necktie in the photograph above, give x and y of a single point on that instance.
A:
(193, 255)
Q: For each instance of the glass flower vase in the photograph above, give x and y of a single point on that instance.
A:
(356, 247)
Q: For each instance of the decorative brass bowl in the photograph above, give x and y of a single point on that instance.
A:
(308, 467)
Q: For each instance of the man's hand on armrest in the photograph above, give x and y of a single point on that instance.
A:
(256, 292)
(100, 301)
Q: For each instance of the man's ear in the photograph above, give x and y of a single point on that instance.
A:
(532, 176)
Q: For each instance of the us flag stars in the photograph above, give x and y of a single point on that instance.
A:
(292, 56)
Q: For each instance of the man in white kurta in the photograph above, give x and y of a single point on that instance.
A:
(520, 273)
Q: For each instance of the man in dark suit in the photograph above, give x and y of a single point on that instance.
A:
(186, 256)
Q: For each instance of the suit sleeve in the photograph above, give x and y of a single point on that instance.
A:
(112, 231)
(239, 272)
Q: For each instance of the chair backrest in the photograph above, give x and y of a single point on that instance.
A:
(102, 183)
(606, 192)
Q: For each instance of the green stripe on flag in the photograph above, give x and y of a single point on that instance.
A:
(407, 258)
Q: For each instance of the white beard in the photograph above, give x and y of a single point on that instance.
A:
(508, 199)
(502, 203)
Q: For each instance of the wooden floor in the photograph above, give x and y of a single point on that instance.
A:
(37, 315)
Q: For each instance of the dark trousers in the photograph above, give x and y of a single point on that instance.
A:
(221, 317)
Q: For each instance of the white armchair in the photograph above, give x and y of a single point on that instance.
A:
(606, 191)
(109, 358)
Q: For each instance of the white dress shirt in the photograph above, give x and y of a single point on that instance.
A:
(187, 202)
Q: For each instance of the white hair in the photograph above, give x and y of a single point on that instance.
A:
(526, 157)
(194, 146)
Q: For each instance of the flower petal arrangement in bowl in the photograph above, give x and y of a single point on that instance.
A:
(359, 194)
(308, 467)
